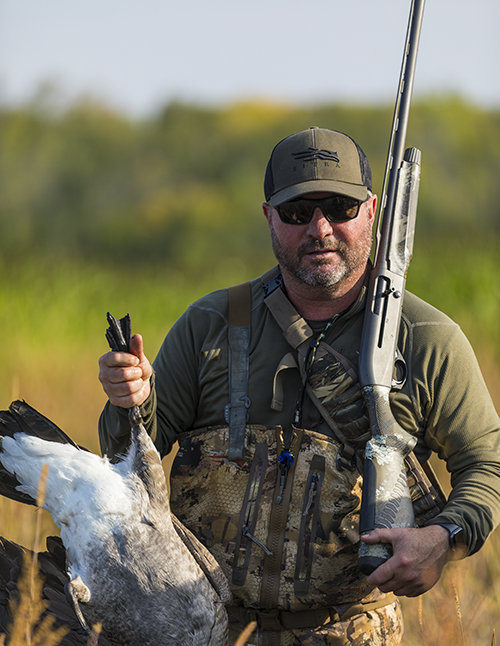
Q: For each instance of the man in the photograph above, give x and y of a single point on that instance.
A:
(259, 385)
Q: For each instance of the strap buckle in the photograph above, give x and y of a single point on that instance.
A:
(346, 458)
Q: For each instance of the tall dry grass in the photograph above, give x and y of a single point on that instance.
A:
(463, 609)
(30, 627)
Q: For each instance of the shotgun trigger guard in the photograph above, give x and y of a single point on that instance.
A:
(400, 373)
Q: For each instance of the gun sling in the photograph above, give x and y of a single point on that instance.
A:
(299, 334)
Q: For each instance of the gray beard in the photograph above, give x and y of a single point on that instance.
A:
(323, 274)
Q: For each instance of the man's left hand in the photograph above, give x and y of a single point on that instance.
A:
(419, 556)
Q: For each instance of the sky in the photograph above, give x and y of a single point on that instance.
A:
(138, 55)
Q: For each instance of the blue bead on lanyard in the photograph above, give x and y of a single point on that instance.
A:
(285, 461)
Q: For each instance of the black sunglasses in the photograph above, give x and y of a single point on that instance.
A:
(337, 208)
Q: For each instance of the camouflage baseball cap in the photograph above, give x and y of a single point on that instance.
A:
(314, 160)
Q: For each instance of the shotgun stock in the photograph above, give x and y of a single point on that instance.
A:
(386, 499)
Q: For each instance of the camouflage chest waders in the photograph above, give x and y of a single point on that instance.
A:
(286, 536)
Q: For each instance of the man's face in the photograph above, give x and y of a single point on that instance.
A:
(322, 253)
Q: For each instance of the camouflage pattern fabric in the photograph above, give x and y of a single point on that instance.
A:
(335, 387)
(380, 627)
(336, 391)
(289, 544)
(285, 542)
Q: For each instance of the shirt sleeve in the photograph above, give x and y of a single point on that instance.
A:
(177, 389)
(171, 405)
(460, 423)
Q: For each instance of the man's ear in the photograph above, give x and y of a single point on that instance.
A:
(372, 206)
(267, 209)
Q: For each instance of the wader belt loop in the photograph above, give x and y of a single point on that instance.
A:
(239, 315)
(346, 458)
(286, 363)
(278, 620)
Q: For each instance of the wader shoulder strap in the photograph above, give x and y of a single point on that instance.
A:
(295, 329)
(239, 315)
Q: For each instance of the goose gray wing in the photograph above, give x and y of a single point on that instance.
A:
(205, 560)
(52, 567)
(148, 467)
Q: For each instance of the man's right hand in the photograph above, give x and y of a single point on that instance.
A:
(125, 377)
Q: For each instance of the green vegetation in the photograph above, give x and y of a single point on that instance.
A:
(184, 188)
(99, 213)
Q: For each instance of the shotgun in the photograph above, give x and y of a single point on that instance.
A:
(385, 501)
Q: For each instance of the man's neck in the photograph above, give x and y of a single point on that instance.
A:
(319, 303)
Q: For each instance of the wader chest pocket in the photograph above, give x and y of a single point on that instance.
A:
(309, 525)
(245, 539)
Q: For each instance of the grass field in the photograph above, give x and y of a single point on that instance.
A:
(53, 320)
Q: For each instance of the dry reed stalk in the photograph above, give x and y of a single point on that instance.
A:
(420, 617)
(458, 608)
(432, 618)
(245, 634)
(29, 627)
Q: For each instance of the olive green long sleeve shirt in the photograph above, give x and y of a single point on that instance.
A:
(444, 401)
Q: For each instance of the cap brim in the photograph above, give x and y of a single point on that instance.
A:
(357, 191)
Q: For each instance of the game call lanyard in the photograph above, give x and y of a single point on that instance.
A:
(285, 458)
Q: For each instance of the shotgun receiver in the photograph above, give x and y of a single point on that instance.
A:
(386, 499)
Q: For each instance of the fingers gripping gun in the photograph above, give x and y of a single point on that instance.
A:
(386, 499)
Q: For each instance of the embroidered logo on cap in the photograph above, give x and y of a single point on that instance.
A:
(314, 153)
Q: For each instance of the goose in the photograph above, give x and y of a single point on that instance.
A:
(131, 565)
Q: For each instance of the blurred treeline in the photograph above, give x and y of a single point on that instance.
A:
(179, 193)
(184, 187)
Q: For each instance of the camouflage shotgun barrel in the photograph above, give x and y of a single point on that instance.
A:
(386, 499)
